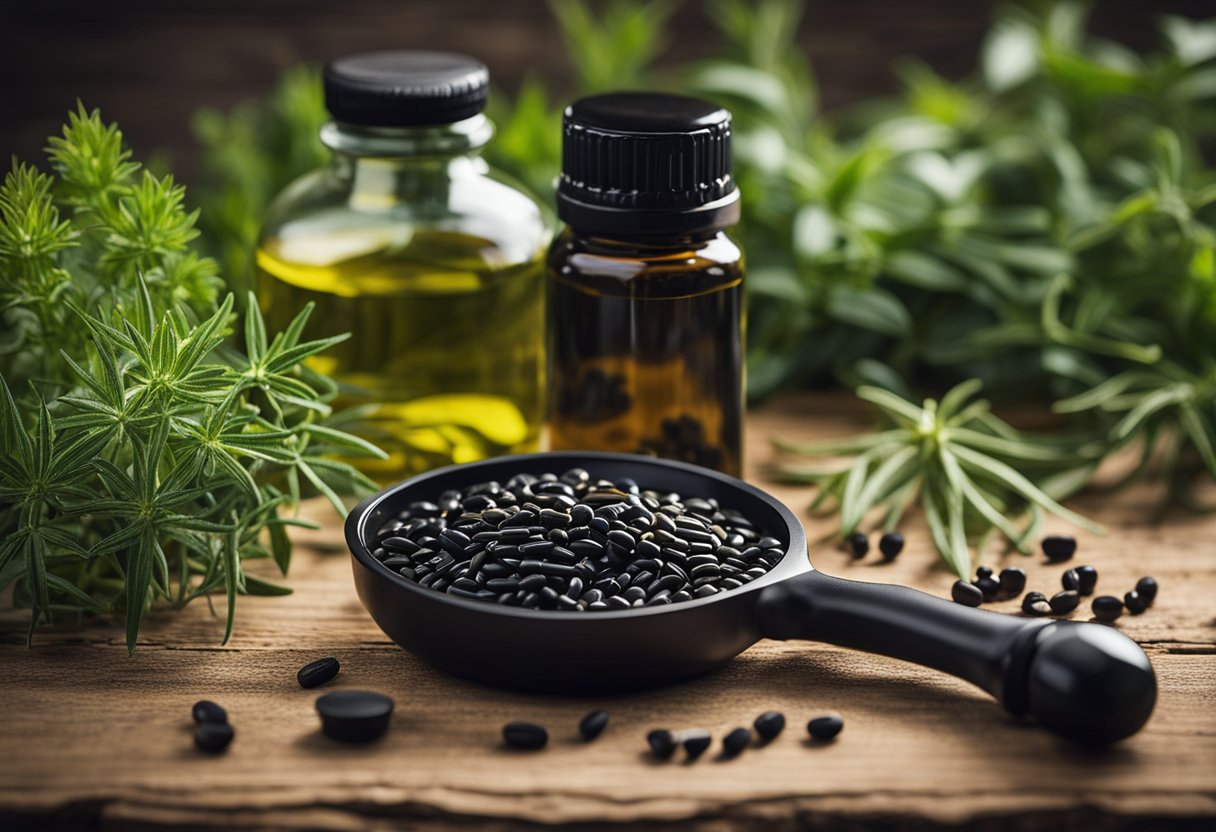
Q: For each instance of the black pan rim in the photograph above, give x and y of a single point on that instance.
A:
(789, 565)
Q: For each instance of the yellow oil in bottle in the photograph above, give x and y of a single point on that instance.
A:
(447, 340)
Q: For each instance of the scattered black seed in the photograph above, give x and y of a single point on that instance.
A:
(354, 715)
(544, 542)
(1146, 588)
(824, 728)
(695, 742)
(734, 742)
(213, 737)
(1070, 580)
(1064, 602)
(205, 710)
(527, 735)
(1107, 607)
(983, 572)
(769, 724)
(966, 594)
(859, 545)
(662, 743)
(318, 673)
(891, 544)
(1013, 581)
(1059, 547)
(1035, 603)
(1087, 579)
(989, 587)
(1134, 602)
(593, 724)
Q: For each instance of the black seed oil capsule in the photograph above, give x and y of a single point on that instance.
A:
(1134, 603)
(662, 743)
(318, 673)
(213, 737)
(205, 710)
(891, 544)
(966, 594)
(769, 724)
(354, 715)
(1087, 579)
(1146, 588)
(826, 727)
(1062, 603)
(1035, 604)
(526, 735)
(695, 742)
(859, 545)
(593, 724)
(734, 742)
(1013, 581)
(1059, 547)
(1107, 608)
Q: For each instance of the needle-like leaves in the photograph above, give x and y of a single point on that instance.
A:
(961, 460)
(144, 458)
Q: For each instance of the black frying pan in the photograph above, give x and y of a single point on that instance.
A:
(1087, 682)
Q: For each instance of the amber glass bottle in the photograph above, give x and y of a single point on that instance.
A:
(646, 298)
(432, 261)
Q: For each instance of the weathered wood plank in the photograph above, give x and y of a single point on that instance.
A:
(88, 733)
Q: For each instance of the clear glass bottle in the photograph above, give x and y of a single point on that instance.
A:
(432, 261)
(646, 296)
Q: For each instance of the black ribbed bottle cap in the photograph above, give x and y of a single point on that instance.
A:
(405, 88)
(646, 163)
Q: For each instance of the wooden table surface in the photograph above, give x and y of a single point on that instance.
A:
(92, 739)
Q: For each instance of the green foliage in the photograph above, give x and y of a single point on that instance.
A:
(966, 469)
(1046, 226)
(146, 460)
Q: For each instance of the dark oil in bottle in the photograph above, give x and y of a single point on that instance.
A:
(646, 346)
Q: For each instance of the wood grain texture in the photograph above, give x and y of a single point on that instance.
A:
(92, 739)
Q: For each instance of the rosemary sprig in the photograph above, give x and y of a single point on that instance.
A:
(953, 457)
(147, 456)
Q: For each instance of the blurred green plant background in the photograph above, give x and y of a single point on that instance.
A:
(1044, 227)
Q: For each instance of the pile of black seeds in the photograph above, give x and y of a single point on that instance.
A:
(573, 543)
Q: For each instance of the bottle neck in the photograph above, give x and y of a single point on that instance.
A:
(462, 138)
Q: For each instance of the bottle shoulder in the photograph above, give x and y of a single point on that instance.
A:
(386, 201)
(652, 267)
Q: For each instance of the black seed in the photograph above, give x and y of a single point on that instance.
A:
(634, 593)
(527, 735)
(734, 742)
(769, 724)
(859, 545)
(399, 544)
(705, 590)
(1029, 602)
(1107, 608)
(205, 710)
(695, 742)
(891, 544)
(966, 594)
(1070, 580)
(1146, 588)
(354, 715)
(824, 728)
(989, 588)
(318, 673)
(662, 743)
(1087, 579)
(581, 515)
(1064, 602)
(1013, 581)
(1059, 547)
(213, 737)
(983, 572)
(1039, 609)
(593, 724)
(1134, 603)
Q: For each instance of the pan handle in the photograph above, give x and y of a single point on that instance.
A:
(1087, 682)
